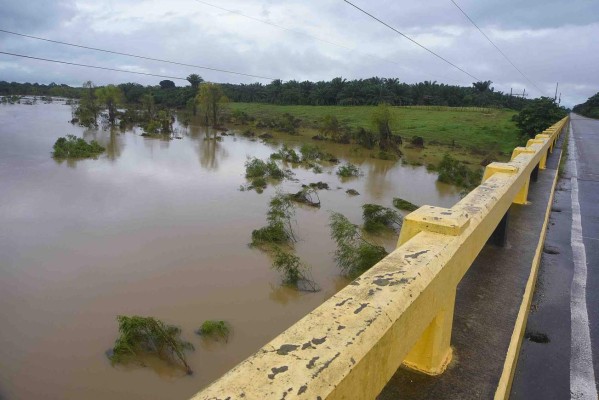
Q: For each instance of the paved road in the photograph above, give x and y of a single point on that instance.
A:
(560, 358)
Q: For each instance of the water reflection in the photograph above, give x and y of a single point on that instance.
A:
(210, 151)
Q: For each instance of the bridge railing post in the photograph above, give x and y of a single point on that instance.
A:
(432, 352)
(505, 168)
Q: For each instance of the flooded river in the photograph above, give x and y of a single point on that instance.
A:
(154, 228)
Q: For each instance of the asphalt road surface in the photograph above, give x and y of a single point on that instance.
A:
(559, 358)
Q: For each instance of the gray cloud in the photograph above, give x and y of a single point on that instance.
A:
(550, 41)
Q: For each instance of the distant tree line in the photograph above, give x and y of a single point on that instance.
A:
(339, 91)
(589, 108)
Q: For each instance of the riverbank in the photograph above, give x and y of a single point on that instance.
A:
(472, 135)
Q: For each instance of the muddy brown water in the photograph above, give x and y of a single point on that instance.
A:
(157, 228)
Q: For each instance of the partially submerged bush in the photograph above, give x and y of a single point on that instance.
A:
(258, 171)
(307, 195)
(146, 335)
(352, 192)
(405, 205)
(417, 141)
(73, 147)
(377, 218)
(354, 254)
(295, 273)
(280, 227)
(286, 154)
(311, 152)
(214, 329)
(455, 172)
(348, 170)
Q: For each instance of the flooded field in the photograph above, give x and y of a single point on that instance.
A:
(155, 228)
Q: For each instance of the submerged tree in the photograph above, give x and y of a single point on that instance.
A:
(212, 101)
(215, 329)
(377, 218)
(295, 272)
(146, 335)
(112, 97)
(87, 111)
(354, 254)
(280, 216)
(382, 118)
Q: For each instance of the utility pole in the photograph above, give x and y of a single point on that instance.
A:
(556, 85)
(560, 98)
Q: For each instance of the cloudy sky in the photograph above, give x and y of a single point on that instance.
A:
(549, 40)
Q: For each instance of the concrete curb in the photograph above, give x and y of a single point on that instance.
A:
(511, 360)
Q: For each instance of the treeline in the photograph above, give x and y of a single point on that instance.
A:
(589, 108)
(338, 91)
(372, 91)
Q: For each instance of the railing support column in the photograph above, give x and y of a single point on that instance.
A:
(503, 168)
(432, 352)
(499, 235)
(534, 175)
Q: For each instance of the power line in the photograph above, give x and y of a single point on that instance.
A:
(308, 35)
(134, 55)
(272, 24)
(494, 45)
(92, 66)
(411, 40)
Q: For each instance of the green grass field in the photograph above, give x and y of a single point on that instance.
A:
(481, 131)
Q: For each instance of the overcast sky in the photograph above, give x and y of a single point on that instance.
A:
(550, 41)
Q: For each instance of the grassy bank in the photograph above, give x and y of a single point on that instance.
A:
(480, 131)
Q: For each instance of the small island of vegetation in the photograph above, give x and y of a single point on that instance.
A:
(73, 147)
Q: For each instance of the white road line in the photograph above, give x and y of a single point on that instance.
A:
(582, 374)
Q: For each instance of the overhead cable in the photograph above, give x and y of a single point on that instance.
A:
(92, 66)
(134, 55)
(411, 40)
(497, 47)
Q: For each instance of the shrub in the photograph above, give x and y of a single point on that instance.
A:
(279, 229)
(255, 168)
(455, 172)
(404, 204)
(214, 329)
(73, 147)
(146, 335)
(354, 254)
(377, 218)
(417, 141)
(311, 152)
(348, 170)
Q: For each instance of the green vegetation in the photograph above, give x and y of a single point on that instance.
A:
(146, 335)
(258, 171)
(311, 152)
(589, 108)
(279, 229)
(352, 192)
(214, 329)
(286, 154)
(471, 130)
(295, 273)
(457, 173)
(112, 97)
(564, 160)
(405, 205)
(348, 170)
(308, 195)
(73, 147)
(377, 218)
(538, 115)
(354, 254)
(212, 103)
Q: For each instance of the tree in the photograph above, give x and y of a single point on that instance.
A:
(482, 86)
(589, 108)
(141, 335)
(88, 109)
(211, 100)
(166, 84)
(195, 80)
(538, 115)
(111, 96)
(381, 121)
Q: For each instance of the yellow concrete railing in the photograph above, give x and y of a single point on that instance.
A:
(399, 311)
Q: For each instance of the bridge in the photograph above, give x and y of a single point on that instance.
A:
(390, 330)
